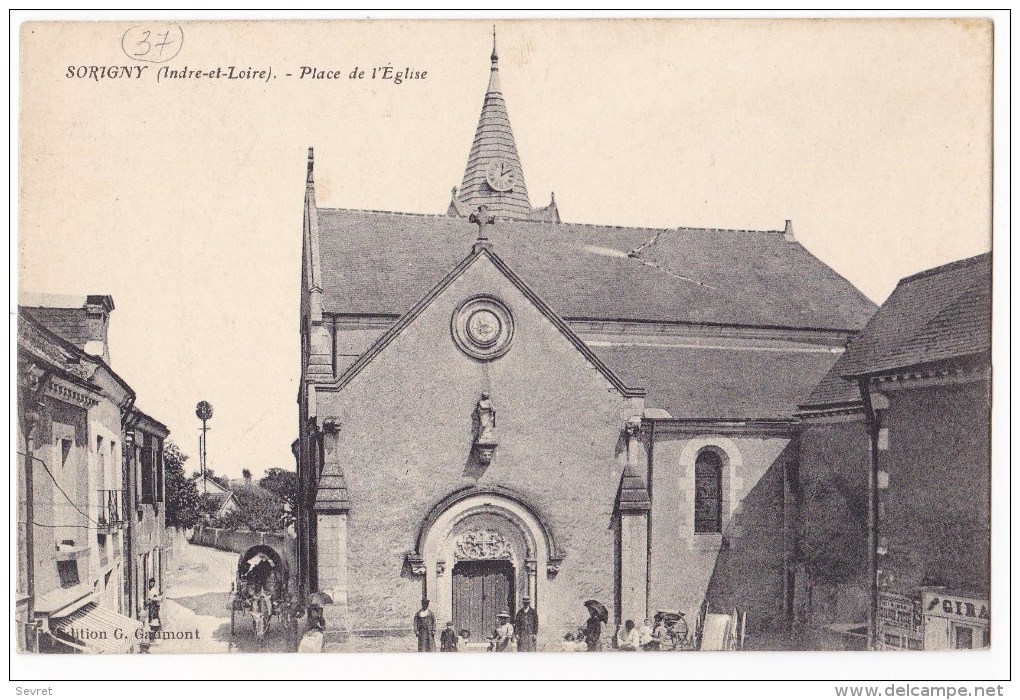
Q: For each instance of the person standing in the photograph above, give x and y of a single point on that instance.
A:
(425, 627)
(593, 632)
(448, 638)
(152, 603)
(526, 626)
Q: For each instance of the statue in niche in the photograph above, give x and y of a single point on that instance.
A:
(485, 441)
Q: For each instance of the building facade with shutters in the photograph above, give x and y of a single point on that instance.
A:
(90, 520)
(495, 403)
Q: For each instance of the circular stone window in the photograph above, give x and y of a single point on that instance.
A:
(483, 328)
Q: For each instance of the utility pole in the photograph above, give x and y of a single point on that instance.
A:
(204, 412)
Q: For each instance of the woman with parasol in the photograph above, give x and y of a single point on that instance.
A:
(598, 616)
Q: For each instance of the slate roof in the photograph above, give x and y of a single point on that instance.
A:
(934, 316)
(35, 339)
(332, 492)
(728, 384)
(382, 263)
(68, 323)
(633, 496)
(833, 390)
(494, 140)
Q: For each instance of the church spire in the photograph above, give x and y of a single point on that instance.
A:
(493, 175)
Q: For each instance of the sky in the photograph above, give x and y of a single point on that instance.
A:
(183, 198)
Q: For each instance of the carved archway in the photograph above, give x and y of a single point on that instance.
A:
(482, 524)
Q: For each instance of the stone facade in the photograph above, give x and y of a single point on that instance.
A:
(493, 398)
(559, 458)
(934, 519)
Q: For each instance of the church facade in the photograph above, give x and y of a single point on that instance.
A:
(496, 404)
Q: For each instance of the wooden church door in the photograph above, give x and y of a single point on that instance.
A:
(481, 589)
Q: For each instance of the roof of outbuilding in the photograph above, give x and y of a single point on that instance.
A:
(382, 263)
(936, 315)
(833, 390)
(714, 383)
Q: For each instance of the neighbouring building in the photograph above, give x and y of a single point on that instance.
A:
(79, 526)
(218, 499)
(895, 471)
(494, 403)
(144, 438)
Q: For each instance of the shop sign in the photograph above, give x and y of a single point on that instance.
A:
(956, 607)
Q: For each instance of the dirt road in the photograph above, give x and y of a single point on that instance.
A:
(198, 600)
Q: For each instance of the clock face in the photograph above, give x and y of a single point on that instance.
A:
(501, 175)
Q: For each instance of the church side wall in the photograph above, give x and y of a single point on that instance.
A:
(832, 576)
(405, 444)
(743, 566)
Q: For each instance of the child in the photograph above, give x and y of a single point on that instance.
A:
(448, 638)
(568, 643)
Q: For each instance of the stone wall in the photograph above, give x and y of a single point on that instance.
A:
(240, 541)
(935, 512)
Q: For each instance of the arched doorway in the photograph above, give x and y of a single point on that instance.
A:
(481, 551)
(484, 581)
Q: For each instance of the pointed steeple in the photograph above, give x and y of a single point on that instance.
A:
(493, 175)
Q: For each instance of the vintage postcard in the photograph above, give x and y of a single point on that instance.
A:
(614, 335)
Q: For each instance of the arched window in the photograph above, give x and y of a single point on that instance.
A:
(708, 492)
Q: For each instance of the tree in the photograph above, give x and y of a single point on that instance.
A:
(246, 474)
(183, 505)
(257, 509)
(284, 484)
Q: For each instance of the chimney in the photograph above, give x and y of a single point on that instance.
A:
(97, 325)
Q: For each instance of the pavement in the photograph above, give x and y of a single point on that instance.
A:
(198, 599)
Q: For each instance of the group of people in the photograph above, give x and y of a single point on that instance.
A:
(666, 632)
(519, 635)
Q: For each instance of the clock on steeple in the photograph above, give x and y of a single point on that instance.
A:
(501, 175)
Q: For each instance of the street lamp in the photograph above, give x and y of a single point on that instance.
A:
(204, 412)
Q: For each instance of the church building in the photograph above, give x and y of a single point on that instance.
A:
(496, 404)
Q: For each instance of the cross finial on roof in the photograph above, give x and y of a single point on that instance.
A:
(483, 219)
(495, 56)
(310, 179)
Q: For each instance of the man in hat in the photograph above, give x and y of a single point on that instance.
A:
(526, 626)
(425, 627)
(448, 638)
(503, 636)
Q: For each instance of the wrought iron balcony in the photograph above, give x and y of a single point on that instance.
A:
(112, 508)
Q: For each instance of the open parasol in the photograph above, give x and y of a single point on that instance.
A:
(598, 608)
(320, 598)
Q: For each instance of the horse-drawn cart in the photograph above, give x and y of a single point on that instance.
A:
(260, 590)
